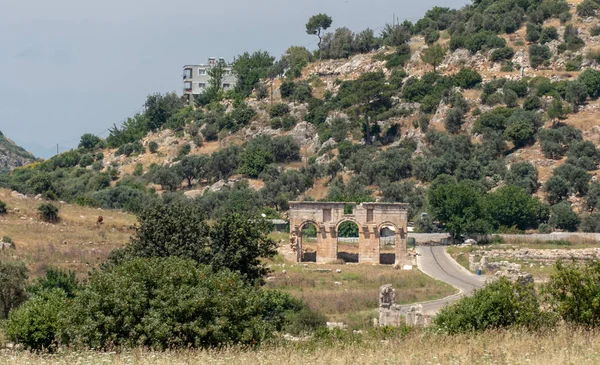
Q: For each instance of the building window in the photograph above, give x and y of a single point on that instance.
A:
(226, 86)
(201, 71)
(326, 215)
(369, 215)
(187, 86)
(201, 85)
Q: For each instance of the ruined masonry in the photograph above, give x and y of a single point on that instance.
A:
(370, 219)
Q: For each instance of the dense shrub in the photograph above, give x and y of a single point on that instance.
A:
(584, 154)
(48, 213)
(574, 292)
(563, 217)
(587, 8)
(500, 304)
(591, 79)
(523, 175)
(37, 323)
(13, 281)
(128, 149)
(467, 78)
(3, 209)
(55, 279)
(279, 110)
(556, 141)
(153, 147)
(165, 303)
(501, 54)
(538, 55)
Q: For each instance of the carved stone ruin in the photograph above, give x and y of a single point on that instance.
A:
(416, 318)
(370, 218)
(389, 313)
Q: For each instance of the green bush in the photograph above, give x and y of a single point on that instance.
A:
(165, 303)
(3, 209)
(500, 304)
(591, 79)
(279, 110)
(13, 281)
(538, 55)
(153, 147)
(55, 279)
(573, 292)
(48, 213)
(587, 8)
(304, 321)
(37, 323)
(595, 30)
(563, 217)
(467, 78)
(185, 149)
(501, 54)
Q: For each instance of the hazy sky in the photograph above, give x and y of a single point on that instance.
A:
(69, 67)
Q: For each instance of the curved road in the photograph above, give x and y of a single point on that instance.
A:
(435, 262)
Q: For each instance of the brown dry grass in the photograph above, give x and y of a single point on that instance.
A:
(76, 243)
(560, 346)
(351, 296)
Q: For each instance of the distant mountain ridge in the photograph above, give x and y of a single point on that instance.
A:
(12, 155)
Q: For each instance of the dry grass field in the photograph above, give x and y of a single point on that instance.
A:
(560, 346)
(75, 243)
(352, 295)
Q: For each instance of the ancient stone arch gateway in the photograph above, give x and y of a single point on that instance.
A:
(370, 219)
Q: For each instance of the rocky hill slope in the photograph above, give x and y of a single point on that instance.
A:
(11, 155)
(494, 94)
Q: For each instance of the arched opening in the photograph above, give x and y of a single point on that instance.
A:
(347, 241)
(308, 242)
(387, 244)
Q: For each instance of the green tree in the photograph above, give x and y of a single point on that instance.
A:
(592, 199)
(556, 188)
(317, 24)
(562, 216)
(159, 108)
(175, 229)
(511, 206)
(373, 96)
(434, 55)
(459, 206)
(238, 243)
(13, 282)
(168, 178)
(249, 69)
(89, 141)
(296, 59)
(591, 79)
(215, 82)
(523, 175)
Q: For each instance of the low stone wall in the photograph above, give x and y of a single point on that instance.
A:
(531, 254)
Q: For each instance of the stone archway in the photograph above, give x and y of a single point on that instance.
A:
(348, 245)
(307, 245)
(369, 217)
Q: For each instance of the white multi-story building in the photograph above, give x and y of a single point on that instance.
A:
(196, 78)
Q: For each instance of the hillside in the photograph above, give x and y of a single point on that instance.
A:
(497, 94)
(11, 155)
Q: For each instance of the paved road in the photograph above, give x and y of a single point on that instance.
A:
(435, 262)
